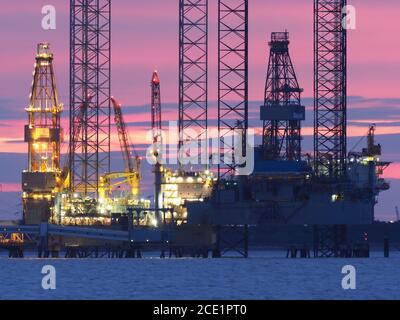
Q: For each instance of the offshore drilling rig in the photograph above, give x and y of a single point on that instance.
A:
(201, 201)
(330, 191)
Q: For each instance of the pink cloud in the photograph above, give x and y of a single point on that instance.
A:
(10, 187)
(392, 172)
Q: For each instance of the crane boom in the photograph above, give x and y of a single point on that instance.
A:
(130, 157)
(156, 108)
(157, 140)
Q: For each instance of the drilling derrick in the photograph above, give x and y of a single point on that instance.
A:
(329, 89)
(282, 111)
(232, 84)
(43, 135)
(193, 75)
(90, 38)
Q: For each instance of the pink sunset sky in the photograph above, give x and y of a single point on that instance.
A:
(145, 37)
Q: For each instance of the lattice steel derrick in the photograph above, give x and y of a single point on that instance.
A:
(90, 36)
(281, 137)
(193, 75)
(232, 83)
(330, 89)
(43, 133)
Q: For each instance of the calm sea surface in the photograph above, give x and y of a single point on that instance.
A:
(265, 275)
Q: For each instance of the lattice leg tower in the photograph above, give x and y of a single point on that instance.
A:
(90, 85)
(330, 89)
(193, 81)
(232, 82)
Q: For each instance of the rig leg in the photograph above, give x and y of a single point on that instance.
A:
(15, 252)
(329, 240)
(233, 239)
(246, 241)
(386, 247)
(216, 253)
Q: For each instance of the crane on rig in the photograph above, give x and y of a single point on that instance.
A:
(157, 138)
(156, 111)
(131, 174)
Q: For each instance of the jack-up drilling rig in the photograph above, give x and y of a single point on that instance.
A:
(339, 189)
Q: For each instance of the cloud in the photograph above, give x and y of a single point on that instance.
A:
(392, 171)
(361, 113)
